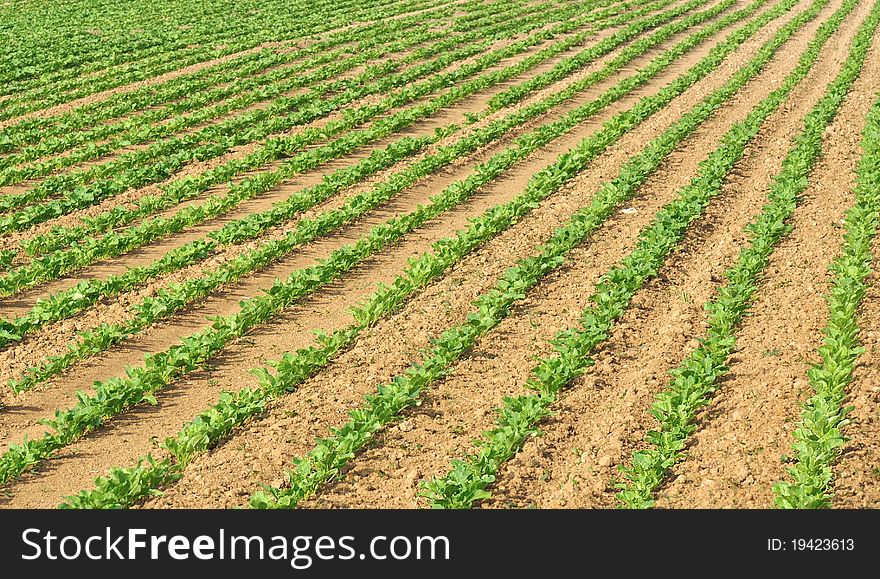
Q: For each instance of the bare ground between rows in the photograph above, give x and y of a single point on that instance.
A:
(607, 399)
(232, 367)
(604, 418)
(736, 454)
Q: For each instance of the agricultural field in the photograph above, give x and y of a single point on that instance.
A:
(440, 254)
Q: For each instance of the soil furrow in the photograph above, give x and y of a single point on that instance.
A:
(737, 453)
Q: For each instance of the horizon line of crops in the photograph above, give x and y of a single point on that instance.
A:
(85, 293)
(819, 438)
(247, 89)
(695, 381)
(73, 51)
(94, 115)
(53, 265)
(114, 79)
(58, 238)
(518, 416)
(279, 146)
(70, 41)
(117, 394)
(244, 86)
(169, 155)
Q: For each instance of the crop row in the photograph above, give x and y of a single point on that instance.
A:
(819, 438)
(247, 83)
(354, 88)
(517, 419)
(63, 236)
(161, 159)
(696, 380)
